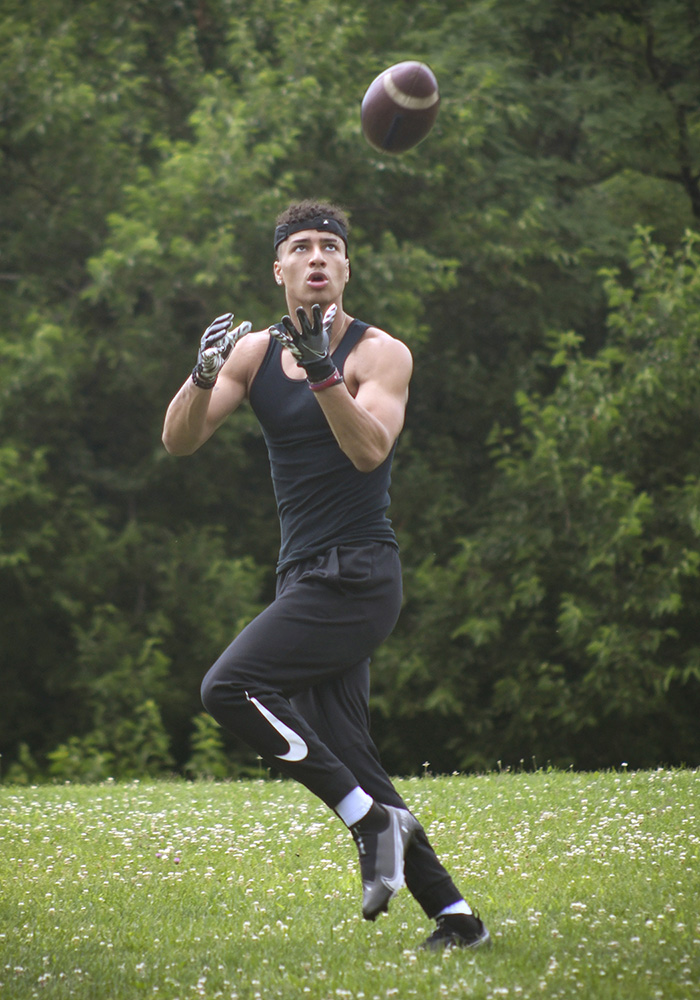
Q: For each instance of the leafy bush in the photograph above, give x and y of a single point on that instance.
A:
(566, 627)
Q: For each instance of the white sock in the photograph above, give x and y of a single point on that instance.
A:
(459, 907)
(354, 806)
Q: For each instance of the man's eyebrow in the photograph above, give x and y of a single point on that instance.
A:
(327, 238)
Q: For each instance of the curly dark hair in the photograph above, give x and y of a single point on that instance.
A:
(309, 209)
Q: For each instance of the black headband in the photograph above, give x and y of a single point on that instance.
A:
(319, 222)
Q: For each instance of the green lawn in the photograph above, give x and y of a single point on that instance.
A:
(589, 883)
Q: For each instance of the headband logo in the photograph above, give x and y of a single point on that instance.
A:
(288, 229)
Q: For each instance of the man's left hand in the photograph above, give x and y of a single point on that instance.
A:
(311, 344)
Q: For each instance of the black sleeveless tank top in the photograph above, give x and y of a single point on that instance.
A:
(322, 499)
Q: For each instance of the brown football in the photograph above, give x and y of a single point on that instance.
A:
(400, 107)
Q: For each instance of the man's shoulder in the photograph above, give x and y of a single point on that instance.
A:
(378, 341)
(251, 348)
(246, 357)
(254, 342)
(379, 355)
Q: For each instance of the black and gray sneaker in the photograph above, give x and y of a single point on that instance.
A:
(382, 838)
(458, 930)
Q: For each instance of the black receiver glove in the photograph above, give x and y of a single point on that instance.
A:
(218, 340)
(311, 346)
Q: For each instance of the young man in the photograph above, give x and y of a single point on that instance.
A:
(330, 393)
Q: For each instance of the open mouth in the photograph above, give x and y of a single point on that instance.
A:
(317, 279)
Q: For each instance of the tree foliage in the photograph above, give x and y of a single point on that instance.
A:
(145, 149)
(564, 625)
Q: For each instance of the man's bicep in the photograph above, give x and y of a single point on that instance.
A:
(384, 394)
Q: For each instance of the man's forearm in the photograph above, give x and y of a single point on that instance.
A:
(360, 435)
(186, 427)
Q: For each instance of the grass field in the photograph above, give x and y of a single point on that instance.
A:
(589, 883)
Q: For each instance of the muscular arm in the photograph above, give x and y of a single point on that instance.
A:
(367, 422)
(194, 414)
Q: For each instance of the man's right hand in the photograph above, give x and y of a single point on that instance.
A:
(218, 340)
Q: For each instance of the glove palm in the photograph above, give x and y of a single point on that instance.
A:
(310, 345)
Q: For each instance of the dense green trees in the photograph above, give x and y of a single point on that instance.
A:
(546, 485)
(565, 623)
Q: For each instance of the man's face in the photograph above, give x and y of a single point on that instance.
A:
(312, 267)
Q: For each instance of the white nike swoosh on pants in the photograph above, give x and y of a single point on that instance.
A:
(298, 749)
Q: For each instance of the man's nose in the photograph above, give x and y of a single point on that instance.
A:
(318, 256)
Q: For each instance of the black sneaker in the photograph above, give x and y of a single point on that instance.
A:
(382, 839)
(458, 930)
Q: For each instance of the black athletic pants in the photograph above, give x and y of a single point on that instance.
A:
(294, 685)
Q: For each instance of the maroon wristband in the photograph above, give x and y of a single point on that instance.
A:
(335, 379)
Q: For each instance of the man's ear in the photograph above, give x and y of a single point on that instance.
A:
(278, 272)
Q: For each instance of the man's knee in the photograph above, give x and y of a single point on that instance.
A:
(221, 689)
(210, 692)
(226, 687)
